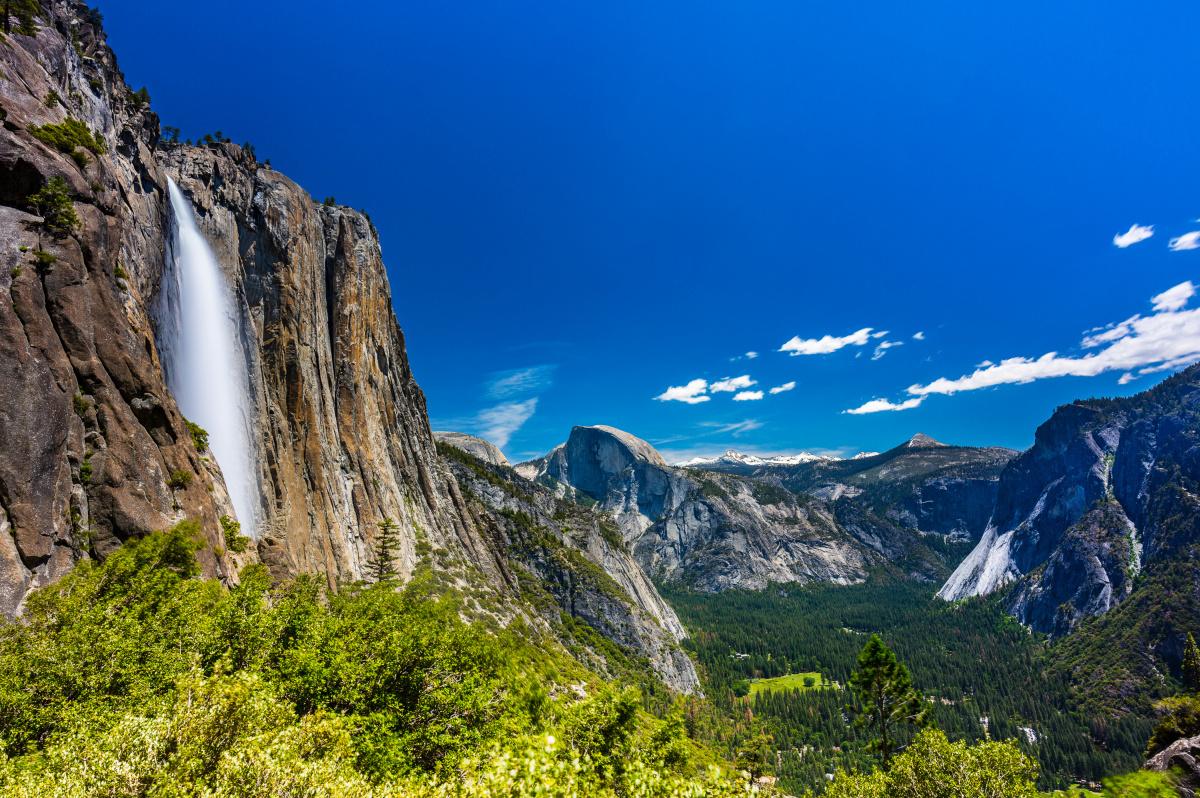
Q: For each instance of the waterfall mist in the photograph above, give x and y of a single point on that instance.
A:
(200, 344)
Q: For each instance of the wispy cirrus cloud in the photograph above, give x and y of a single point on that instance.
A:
(514, 382)
(496, 424)
(734, 428)
(1134, 235)
(828, 344)
(691, 393)
(882, 347)
(919, 335)
(787, 386)
(1168, 338)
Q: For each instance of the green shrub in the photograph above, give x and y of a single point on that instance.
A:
(85, 471)
(329, 202)
(179, 479)
(68, 135)
(198, 433)
(140, 98)
(14, 272)
(52, 99)
(120, 273)
(44, 259)
(235, 541)
(53, 203)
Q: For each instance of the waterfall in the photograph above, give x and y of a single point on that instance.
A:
(200, 343)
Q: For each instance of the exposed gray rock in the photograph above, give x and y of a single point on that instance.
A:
(707, 530)
(1181, 757)
(476, 447)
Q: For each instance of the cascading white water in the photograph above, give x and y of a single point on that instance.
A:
(200, 344)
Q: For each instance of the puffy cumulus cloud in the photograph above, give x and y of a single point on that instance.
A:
(828, 344)
(693, 393)
(748, 396)
(1135, 234)
(1174, 298)
(504, 384)
(731, 384)
(1167, 339)
(882, 347)
(1185, 242)
(787, 386)
(884, 406)
(919, 335)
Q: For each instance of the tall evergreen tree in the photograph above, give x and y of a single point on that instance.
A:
(1191, 665)
(887, 701)
(382, 565)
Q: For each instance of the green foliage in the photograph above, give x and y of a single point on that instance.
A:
(179, 479)
(81, 403)
(52, 99)
(231, 530)
(198, 433)
(135, 678)
(934, 767)
(139, 99)
(1179, 716)
(1190, 669)
(25, 12)
(1142, 784)
(43, 259)
(14, 272)
(120, 273)
(329, 202)
(381, 567)
(970, 658)
(887, 704)
(53, 203)
(68, 135)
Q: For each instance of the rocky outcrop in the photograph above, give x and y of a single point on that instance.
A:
(476, 447)
(575, 556)
(1182, 759)
(1108, 490)
(710, 531)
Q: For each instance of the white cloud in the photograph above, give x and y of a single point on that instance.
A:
(1185, 242)
(1133, 235)
(919, 335)
(1126, 378)
(692, 393)
(1174, 298)
(1168, 339)
(735, 428)
(497, 424)
(883, 346)
(787, 386)
(752, 355)
(730, 384)
(884, 405)
(504, 384)
(748, 396)
(826, 343)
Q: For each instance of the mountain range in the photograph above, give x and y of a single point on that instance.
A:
(1101, 513)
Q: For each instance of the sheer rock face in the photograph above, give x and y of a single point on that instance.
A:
(344, 437)
(1108, 489)
(711, 531)
(90, 434)
(1182, 759)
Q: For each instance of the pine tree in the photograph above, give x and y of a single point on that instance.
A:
(887, 701)
(1191, 665)
(382, 566)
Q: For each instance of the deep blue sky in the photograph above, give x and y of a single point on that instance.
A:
(634, 193)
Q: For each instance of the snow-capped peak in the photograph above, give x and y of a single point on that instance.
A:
(736, 458)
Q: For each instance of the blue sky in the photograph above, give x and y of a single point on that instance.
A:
(584, 205)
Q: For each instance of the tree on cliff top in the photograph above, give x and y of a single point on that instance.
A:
(886, 699)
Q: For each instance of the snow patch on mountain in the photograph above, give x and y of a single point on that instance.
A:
(733, 457)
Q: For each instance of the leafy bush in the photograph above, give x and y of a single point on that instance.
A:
(53, 203)
(179, 479)
(231, 530)
(198, 433)
(68, 135)
(934, 767)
